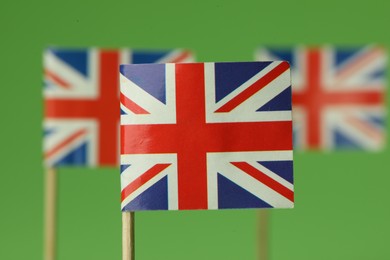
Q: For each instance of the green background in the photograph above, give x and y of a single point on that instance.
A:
(342, 209)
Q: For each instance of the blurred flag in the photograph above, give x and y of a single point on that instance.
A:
(81, 99)
(338, 96)
(206, 136)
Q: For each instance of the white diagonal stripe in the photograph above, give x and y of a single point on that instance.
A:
(159, 113)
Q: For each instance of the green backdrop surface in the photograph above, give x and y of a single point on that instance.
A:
(342, 209)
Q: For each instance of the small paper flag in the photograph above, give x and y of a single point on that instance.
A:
(338, 96)
(206, 136)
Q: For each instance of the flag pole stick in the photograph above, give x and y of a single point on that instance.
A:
(50, 214)
(128, 239)
(263, 236)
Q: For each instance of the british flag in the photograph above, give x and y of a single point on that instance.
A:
(81, 99)
(206, 136)
(338, 96)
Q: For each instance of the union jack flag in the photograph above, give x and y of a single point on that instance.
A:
(81, 89)
(338, 96)
(206, 136)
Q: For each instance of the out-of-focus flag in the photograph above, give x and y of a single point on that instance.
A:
(338, 96)
(81, 99)
(206, 136)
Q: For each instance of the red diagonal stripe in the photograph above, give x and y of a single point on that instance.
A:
(254, 88)
(65, 142)
(144, 178)
(360, 62)
(53, 77)
(265, 179)
(132, 106)
(367, 129)
(184, 55)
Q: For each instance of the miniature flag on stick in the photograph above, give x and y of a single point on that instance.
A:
(206, 136)
(81, 124)
(338, 99)
(338, 96)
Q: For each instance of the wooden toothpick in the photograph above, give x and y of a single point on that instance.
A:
(128, 242)
(50, 214)
(263, 235)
